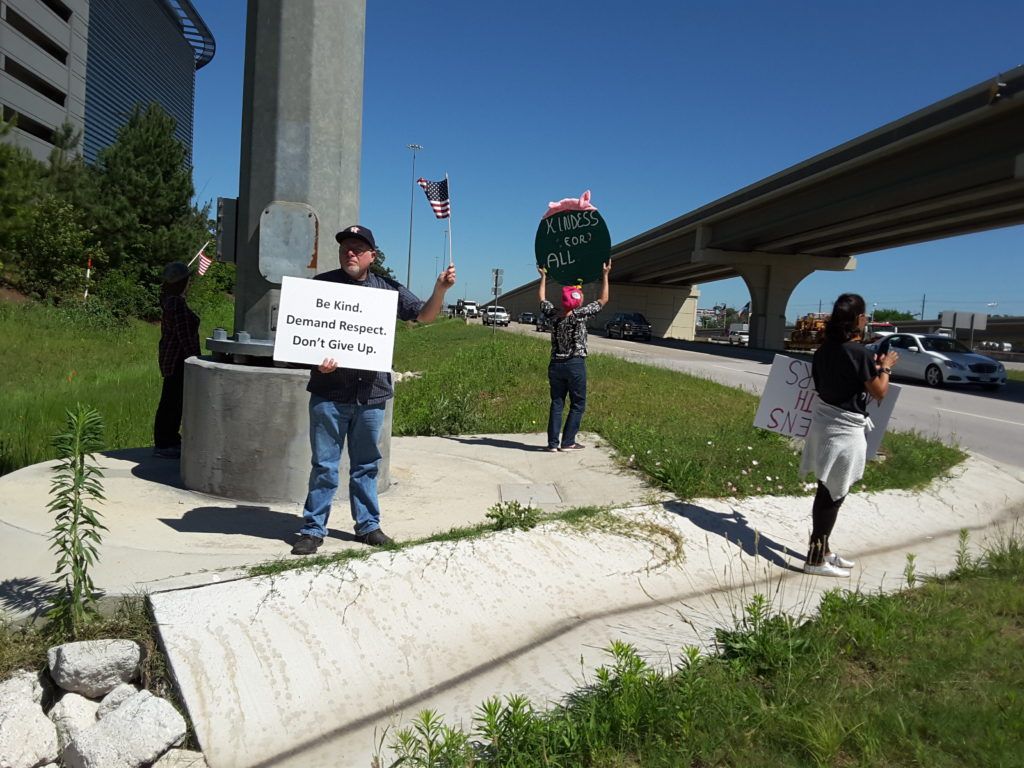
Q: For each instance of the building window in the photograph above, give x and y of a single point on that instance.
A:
(33, 81)
(28, 125)
(25, 27)
(59, 8)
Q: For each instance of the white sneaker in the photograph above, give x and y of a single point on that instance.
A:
(838, 561)
(826, 569)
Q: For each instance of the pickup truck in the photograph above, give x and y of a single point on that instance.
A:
(628, 325)
(495, 315)
(464, 308)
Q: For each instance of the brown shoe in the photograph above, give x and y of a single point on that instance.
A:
(307, 545)
(375, 538)
(573, 447)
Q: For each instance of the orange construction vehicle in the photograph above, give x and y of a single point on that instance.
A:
(809, 331)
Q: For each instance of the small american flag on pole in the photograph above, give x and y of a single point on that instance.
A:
(437, 194)
(204, 262)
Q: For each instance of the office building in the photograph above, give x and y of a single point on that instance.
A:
(89, 62)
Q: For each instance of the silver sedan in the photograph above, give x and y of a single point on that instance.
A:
(937, 360)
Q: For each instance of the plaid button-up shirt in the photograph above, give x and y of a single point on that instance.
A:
(349, 385)
(179, 334)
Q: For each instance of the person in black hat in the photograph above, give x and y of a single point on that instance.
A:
(347, 405)
(179, 340)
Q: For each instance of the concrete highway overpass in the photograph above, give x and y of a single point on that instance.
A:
(951, 168)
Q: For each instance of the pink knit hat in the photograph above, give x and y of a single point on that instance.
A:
(572, 297)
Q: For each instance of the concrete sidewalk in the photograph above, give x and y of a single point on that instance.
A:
(162, 536)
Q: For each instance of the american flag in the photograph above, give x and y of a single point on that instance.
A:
(204, 262)
(437, 194)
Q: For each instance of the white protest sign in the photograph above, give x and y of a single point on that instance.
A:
(317, 319)
(789, 396)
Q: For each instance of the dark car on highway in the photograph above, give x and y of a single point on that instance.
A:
(628, 325)
(526, 317)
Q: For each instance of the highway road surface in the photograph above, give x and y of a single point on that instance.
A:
(989, 423)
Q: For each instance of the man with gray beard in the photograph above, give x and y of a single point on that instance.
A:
(348, 404)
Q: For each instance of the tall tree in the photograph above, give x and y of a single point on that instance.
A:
(145, 218)
(21, 186)
(378, 268)
(68, 176)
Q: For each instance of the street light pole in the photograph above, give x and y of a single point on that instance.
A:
(412, 196)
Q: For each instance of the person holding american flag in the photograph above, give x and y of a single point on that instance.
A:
(179, 340)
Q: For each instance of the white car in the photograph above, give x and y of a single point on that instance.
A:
(495, 315)
(937, 360)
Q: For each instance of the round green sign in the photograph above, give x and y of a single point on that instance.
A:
(572, 246)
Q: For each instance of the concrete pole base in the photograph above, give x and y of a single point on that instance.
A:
(245, 433)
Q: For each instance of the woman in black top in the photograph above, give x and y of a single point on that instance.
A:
(846, 374)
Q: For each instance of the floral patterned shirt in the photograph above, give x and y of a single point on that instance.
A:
(569, 332)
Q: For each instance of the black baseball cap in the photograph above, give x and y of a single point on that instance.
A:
(359, 232)
(175, 272)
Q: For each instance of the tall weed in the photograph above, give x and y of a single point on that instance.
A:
(76, 528)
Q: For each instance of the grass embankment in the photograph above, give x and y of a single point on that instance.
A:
(691, 436)
(54, 357)
(929, 676)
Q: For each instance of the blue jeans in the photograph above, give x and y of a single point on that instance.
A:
(566, 377)
(330, 424)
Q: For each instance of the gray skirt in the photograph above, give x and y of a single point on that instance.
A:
(836, 448)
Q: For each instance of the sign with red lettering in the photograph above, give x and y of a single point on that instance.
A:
(789, 397)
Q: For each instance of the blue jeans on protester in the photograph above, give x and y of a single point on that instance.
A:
(567, 377)
(330, 424)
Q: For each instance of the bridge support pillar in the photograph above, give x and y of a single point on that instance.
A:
(771, 278)
(770, 286)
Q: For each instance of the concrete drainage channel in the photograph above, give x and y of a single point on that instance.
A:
(367, 644)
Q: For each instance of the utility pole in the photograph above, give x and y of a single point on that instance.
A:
(923, 297)
(412, 196)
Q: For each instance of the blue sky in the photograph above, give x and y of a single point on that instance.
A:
(657, 107)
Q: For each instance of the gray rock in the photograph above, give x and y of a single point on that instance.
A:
(21, 685)
(115, 699)
(142, 729)
(27, 737)
(72, 716)
(94, 667)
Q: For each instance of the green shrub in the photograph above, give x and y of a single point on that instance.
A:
(52, 252)
(512, 514)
